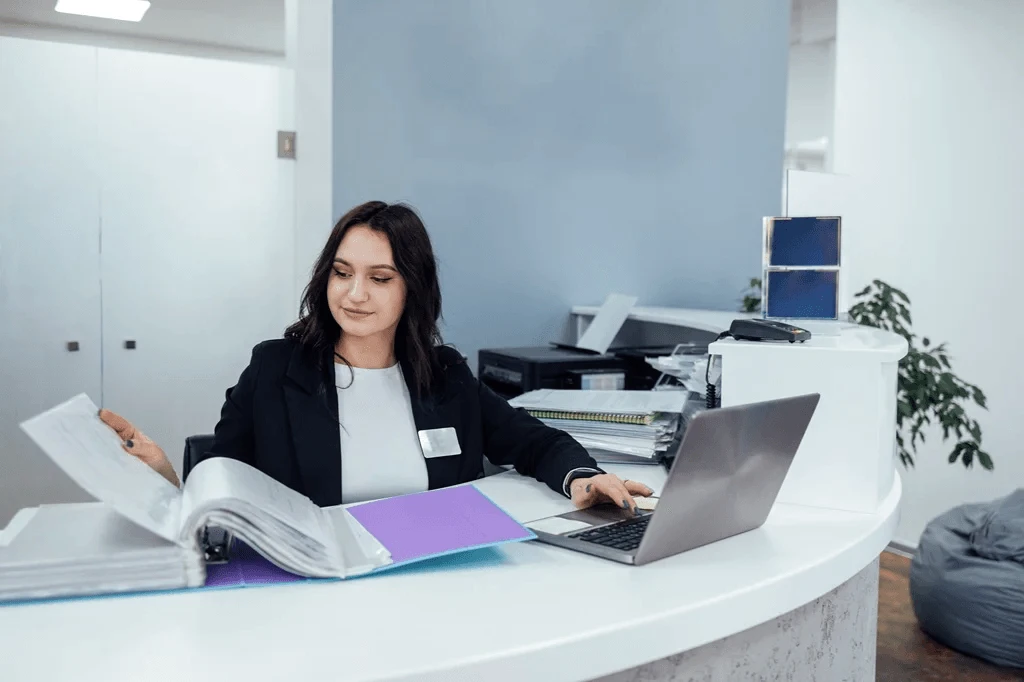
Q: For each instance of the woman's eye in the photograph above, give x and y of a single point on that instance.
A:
(341, 274)
(381, 280)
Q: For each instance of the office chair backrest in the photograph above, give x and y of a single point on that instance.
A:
(195, 447)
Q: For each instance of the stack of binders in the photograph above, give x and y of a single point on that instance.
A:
(614, 426)
(144, 534)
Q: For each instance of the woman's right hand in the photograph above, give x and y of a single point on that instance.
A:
(138, 444)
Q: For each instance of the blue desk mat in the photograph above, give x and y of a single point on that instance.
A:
(246, 569)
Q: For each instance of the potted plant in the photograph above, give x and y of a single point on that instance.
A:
(928, 391)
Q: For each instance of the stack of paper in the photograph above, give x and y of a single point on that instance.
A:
(614, 426)
(87, 549)
(687, 365)
(144, 533)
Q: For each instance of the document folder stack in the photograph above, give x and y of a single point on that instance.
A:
(87, 549)
(614, 426)
(145, 534)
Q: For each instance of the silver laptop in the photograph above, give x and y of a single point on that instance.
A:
(727, 472)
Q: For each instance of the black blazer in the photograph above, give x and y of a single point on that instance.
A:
(282, 418)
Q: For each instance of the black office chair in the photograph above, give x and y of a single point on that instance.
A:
(216, 543)
(195, 447)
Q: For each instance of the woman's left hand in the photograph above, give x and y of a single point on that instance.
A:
(601, 488)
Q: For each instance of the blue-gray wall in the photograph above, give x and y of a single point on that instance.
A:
(559, 150)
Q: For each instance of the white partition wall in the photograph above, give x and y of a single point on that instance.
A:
(197, 267)
(49, 258)
(140, 200)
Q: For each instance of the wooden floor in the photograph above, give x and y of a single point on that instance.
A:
(905, 654)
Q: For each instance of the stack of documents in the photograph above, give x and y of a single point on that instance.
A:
(87, 549)
(688, 365)
(144, 533)
(614, 426)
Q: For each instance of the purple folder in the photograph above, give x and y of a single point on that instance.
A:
(412, 527)
(438, 522)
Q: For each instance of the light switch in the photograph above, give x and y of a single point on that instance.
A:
(285, 144)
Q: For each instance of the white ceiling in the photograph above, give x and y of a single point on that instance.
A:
(254, 26)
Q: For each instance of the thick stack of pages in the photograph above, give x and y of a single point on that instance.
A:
(145, 534)
(87, 549)
(614, 426)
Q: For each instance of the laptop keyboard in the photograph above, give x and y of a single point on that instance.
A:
(624, 535)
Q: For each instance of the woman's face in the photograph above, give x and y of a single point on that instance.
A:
(365, 292)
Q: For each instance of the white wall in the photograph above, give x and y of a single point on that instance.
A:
(140, 200)
(810, 84)
(309, 44)
(809, 108)
(928, 102)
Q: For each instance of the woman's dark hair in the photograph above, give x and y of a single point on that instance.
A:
(417, 334)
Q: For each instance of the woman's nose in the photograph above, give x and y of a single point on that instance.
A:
(358, 290)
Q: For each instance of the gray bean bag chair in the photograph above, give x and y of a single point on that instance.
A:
(967, 580)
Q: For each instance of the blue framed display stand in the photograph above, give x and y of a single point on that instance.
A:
(802, 264)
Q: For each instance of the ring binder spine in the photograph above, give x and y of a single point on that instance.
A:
(638, 419)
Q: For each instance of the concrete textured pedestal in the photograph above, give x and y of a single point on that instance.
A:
(832, 639)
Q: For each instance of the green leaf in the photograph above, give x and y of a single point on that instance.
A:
(979, 398)
(897, 293)
(953, 456)
(985, 460)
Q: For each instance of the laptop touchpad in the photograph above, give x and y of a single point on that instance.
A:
(598, 515)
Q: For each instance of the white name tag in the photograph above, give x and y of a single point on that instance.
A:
(440, 442)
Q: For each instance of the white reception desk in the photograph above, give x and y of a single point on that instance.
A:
(524, 612)
(794, 599)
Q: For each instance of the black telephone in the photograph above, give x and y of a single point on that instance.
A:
(767, 330)
(753, 329)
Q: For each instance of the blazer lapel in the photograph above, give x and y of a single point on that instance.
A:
(313, 419)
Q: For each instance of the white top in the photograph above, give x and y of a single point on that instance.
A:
(380, 447)
(840, 336)
(852, 340)
(526, 611)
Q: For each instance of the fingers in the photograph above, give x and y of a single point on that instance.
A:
(585, 494)
(143, 448)
(637, 488)
(619, 495)
(152, 455)
(124, 428)
(609, 488)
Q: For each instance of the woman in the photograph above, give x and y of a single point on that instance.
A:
(360, 400)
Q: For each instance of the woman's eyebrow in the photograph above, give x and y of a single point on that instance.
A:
(382, 266)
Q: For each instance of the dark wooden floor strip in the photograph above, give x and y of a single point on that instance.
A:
(905, 653)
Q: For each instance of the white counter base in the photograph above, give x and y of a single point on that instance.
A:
(529, 612)
(831, 639)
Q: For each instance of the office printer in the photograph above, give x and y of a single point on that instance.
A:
(513, 371)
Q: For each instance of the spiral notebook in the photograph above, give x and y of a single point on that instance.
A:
(623, 407)
(614, 426)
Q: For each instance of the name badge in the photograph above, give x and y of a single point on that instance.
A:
(440, 442)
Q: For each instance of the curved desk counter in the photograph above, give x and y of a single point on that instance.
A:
(806, 582)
